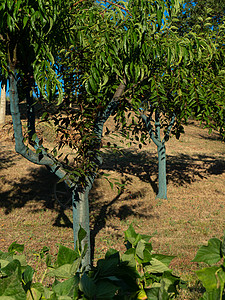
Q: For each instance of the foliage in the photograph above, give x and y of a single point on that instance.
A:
(139, 273)
(136, 274)
(198, 12)
(115, 57)
(213, 277)
(30, 33)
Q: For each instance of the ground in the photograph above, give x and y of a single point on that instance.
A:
(193, 213)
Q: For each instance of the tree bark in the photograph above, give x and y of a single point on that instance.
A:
(3, 103)
(80, 194)
(80, 204)
(80, 198)
(161, 149)
(40, 157)
(162, 185)
(30, 108)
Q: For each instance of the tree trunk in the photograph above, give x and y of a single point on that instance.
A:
(3, 103)
(162, 185)
(161, 148)
(80, 195)
(81, 218)
(30, 108)
(80, 198)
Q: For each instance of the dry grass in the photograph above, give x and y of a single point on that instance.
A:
(193, 213)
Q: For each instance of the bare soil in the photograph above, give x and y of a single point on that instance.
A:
(193, 213)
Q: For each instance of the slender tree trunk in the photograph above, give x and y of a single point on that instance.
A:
(30, 108)
(161, 149)
(41, 158)
(80, 198)
(162, 185)
(3, 103)
(80, 204)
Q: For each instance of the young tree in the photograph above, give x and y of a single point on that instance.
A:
(114, 57)
(34, 33)
(182, 77)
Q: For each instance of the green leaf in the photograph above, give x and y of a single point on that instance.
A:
(146, 238)
(105, 290)
(211, 253)
(125, 43)
(50, 24)
(63, 271)
(153, 293)
(75, 266)
(47, 293)
(170, 282)
(105, 79)
(147, 256)
(28, 274)
(35, 292)
(212, 295)
(11, 288)
(140, 248)
(138, 238)
(109, 265)
(129, 256)
(67, 287)
(14, 247)
(165, 259)
(141, 295)
(6, 256)
(81, 234)
(12, 267)
(88, 286)
(208, 277)
(156, 266)
(110, 252)
(93, 84)
(3, 263)
(21, 258)
(25, 19)
(159, 17)
(65, 256)
(130, 235)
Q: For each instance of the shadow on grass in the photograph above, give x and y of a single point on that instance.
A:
(7, 160)
(38, 186)
(212, 137)
(182, 169)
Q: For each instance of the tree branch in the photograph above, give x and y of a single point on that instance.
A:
(166, 137)
(98, 128)
(40, 157)
(149, 127)
(120, 6)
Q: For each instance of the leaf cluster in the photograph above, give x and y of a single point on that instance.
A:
(137, 274)
(212, 277)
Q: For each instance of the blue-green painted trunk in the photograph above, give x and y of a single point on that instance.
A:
(80, 205)
(161, 149)
(80, 198)
(162, 185)
(30, 110)
(81, 218)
